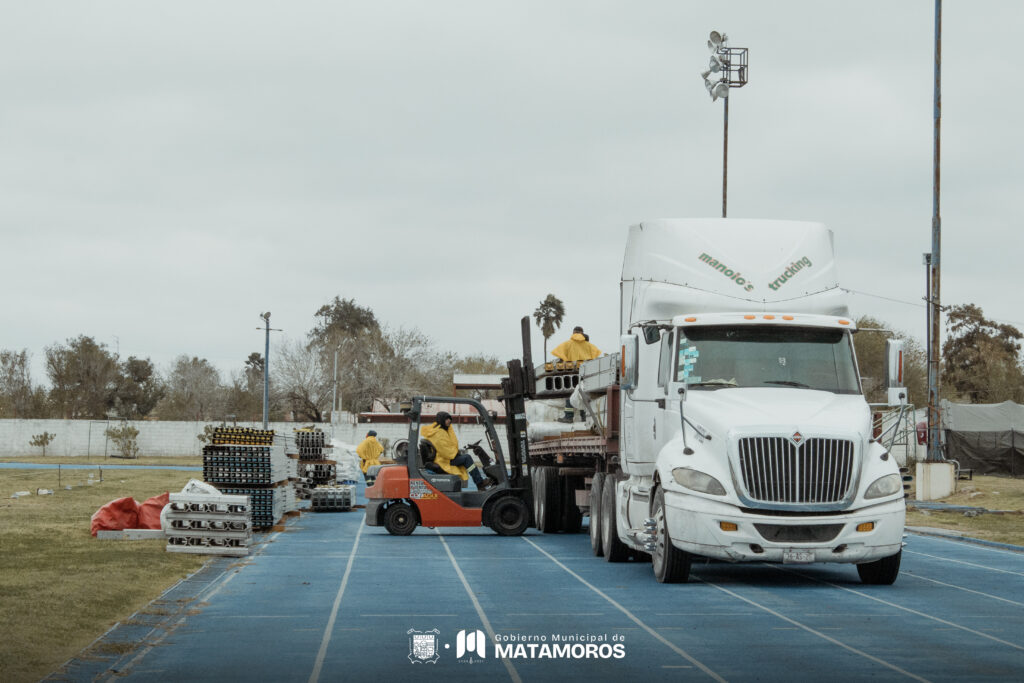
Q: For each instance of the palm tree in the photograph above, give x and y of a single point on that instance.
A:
(549, 318)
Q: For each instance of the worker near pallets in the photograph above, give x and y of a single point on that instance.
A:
(369, 455)
(448, 458)
(577, 347)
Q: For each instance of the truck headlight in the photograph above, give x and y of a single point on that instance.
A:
(885, 486)
(698, 481)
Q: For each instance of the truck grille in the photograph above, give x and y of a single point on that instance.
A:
(776, 470)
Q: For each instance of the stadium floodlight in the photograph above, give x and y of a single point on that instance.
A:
(730, 65)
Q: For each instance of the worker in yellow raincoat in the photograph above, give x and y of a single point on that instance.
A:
(441, 435)
(577, 347)
(369, 455)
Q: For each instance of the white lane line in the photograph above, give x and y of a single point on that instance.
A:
(679, 651)
(408, 615)
(905, 609)
(969, 590)
(200, 597)
(479, 610)
(830, 639)
(313, 677)
(969, 564)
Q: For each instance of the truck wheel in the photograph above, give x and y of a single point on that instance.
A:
(671, 565)
(596, 489)
(572, 518)
(614, 549)
(400, 519)
(881, 572)
(509, 516)
(549, 504)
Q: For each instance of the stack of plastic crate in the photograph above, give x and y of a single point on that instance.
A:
(207, 524)
(249, 462)
(337, 498)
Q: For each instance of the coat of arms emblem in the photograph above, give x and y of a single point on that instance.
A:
(423, 646)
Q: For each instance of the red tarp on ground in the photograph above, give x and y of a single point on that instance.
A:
(125, 513)
(149, 511)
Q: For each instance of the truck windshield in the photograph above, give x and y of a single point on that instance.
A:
(718, 357)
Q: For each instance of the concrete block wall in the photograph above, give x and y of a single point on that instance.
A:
(81, 438)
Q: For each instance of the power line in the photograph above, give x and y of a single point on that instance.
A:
(917, 305)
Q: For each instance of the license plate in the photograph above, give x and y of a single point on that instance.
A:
(797, 556)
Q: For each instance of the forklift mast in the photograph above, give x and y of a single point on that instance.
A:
(516, 388)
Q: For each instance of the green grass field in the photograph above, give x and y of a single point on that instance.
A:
(992, 493)
(60, 588)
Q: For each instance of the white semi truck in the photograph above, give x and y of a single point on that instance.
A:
(732, 423)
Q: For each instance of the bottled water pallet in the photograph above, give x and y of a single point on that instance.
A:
(208, 524)
(320, 472)
(230, 475)
(246, 465)
(267, 505)
(242, 435)
(332, 498)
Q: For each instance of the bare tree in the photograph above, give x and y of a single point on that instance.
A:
(193, 391)
(303, 380)
(16, 393)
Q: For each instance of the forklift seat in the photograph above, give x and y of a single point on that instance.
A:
(432, 472)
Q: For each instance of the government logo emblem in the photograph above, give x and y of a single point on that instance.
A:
(423, 646)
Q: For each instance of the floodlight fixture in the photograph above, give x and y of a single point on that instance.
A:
(716, 40)
(730, 66)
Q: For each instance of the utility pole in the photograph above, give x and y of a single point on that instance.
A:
(266, 367)
(935, 262)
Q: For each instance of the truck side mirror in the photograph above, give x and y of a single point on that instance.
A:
(628, 358)
(652, 335)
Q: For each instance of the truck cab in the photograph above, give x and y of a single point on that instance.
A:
(745, 434)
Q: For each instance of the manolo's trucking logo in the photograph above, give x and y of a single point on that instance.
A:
(746, 284)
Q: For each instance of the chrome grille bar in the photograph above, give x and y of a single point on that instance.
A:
(774, 469)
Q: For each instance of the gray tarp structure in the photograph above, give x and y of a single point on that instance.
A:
(988, 438)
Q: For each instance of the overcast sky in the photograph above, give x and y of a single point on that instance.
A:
(168, 171)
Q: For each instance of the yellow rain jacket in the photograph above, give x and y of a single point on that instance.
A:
(369, 453)
(447, 446)
(577, 348)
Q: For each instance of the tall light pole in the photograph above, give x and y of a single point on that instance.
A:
(935, 262)
(731, 63)
(265, 317)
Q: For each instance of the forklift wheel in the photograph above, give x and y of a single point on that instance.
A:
(510, 516)
(400, 519)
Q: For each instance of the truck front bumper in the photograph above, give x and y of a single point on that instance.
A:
(696, 526)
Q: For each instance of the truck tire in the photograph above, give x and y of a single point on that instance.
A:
(596, 490)
(881, 572)
(509, 516)
(400, 519)
(549, 503)
(614, 549)
(671, 565)
(572, 518)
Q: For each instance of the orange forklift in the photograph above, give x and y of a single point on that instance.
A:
(415, 492)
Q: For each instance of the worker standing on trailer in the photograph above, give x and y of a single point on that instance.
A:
(577, 347)
(442, 436)
(369, 455)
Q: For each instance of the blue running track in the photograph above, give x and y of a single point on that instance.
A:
(329, 599)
